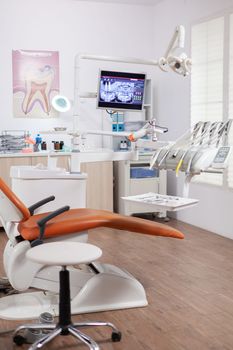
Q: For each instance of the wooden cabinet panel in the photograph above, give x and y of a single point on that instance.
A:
(6, 163)
(99, 184)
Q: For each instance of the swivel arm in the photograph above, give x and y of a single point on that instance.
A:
(39, 204)
(42, 224)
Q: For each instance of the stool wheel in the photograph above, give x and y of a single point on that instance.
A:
(116, 336)
(19, 340)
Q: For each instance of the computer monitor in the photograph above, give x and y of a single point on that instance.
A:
(121, 90)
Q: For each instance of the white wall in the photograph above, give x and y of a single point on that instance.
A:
(214, 212)
(70, 27)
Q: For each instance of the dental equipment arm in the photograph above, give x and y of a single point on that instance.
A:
(177, 41)
(150, 128)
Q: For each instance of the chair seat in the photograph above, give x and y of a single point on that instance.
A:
(64, 253)
(78, 220)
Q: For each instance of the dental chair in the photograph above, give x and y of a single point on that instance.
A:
(94, 287)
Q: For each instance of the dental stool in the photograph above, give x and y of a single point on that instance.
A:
(64, 254)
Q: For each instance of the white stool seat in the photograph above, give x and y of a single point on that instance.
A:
(64, 253)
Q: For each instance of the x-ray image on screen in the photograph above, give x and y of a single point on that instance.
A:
(120, 90)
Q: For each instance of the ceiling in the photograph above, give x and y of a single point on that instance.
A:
(131, 2)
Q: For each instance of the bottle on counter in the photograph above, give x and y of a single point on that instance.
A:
(57, 146)
(37, 145)
(43, 146)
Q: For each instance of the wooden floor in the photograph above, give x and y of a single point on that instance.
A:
(189, 285)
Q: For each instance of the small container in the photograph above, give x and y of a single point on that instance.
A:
(57, 146)
(61, 145)
(122, 145)
(43, 146)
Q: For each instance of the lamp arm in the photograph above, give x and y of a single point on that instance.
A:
(177, 40)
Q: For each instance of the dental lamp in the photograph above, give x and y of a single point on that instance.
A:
(180, 64)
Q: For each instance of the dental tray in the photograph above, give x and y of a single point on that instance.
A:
(155, 201)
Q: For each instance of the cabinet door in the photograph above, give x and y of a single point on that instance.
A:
(6, 163)
(99, 185)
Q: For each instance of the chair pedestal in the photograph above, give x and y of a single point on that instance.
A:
(65, 326)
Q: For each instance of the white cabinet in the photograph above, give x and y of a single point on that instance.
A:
(125, 184)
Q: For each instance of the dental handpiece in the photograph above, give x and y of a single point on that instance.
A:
(154, 158)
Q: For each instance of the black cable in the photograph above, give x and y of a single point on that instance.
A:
(111, 112)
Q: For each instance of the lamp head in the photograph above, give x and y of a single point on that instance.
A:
(61, 103)
(175, 58)
(180, 64)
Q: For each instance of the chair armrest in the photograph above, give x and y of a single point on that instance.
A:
(33, 207)
(42, 224)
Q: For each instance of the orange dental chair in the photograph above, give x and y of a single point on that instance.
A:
(96, 287)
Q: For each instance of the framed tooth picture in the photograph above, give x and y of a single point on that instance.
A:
(35, 83)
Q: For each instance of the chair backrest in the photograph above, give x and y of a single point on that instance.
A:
(11, 207)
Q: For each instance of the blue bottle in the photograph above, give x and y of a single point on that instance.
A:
(38, 139)
(37, 146)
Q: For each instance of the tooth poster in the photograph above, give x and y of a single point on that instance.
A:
(35, 83)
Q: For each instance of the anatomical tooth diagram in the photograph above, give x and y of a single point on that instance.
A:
(38, 86)
(35, 82)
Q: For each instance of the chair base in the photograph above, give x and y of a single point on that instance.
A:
(56, 329)
(110, 289)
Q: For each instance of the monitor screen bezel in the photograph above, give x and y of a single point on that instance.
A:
(120, 106)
